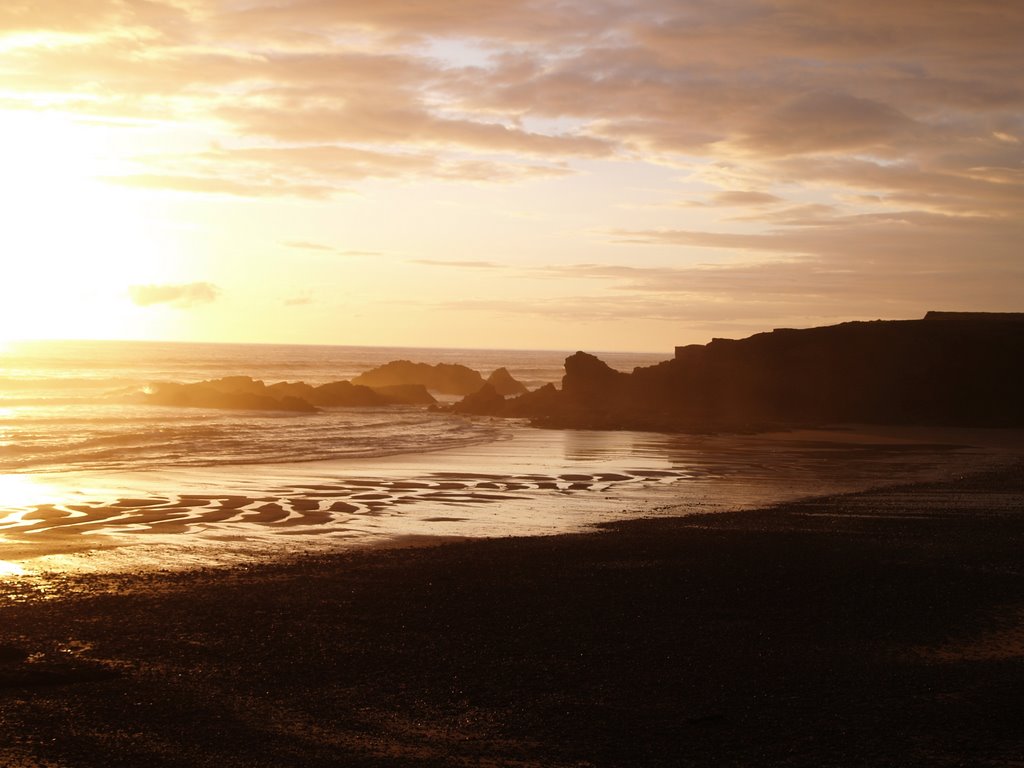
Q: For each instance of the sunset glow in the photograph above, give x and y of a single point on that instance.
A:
(10, 569)
(438, 383)
(520, 174)
(25, 492)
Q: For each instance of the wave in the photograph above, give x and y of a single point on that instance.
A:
(55, 382)
(206, 440)
(67, 406)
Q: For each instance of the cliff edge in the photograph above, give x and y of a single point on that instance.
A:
(949, 369)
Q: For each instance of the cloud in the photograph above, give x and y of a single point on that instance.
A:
(750, 296)
(365, 119)
(222, 186)
(181, 296)
(735, 198)
(318, 171)
(825, 122)
(866, 243)
(308, 246)
(458, 264)
(342, 92)
(866, 146)
(305, 245)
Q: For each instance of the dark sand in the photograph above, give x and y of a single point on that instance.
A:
(877, 629)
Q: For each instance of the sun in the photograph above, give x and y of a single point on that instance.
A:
(71, 240)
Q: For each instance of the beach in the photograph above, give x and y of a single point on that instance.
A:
(528, 482)
(511, 384)
(881, 627)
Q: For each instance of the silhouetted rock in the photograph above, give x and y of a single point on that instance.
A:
(488, 402)
(339, 394)
(504, 384)
(244, 393)
(589, 380)
(238, 384)
(545, 399)
(299, 389)
(485, 402)
(947, 369)
(406, 394)
(446, 378)
(234, 393)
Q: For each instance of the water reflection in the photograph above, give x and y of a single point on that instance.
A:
(23, 492)
(10, 569)
(589, 445)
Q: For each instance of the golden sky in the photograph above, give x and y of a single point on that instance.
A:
(596, 174)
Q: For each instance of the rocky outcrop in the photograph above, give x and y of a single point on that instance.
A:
(244, 393)
(445, 378)
(947, 369)
(943, 370)
(589, 381)
(233, 393)
(504, 384)
(406, 394)
(485, 401)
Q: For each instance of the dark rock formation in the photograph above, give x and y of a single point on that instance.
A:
(543, 401)
(233, 393)
(546, 399)
(342, 393)
(948, 369)
(589, 381)
(338, 394)
(503, 383)
(406, 394)
(485, 400)
(244, 393)
(446, 378)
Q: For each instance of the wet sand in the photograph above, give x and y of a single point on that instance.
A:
(869, 629)
(536, 482)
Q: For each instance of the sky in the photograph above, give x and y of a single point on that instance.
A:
(538, 174)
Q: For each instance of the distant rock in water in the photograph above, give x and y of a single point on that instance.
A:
(488, 402)
(485, 401)
(232, 393)
(503, 383)
(333, 395)
(406, 394)
(446, 378)
(244, 393)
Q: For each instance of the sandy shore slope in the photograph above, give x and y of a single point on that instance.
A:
(871, 629)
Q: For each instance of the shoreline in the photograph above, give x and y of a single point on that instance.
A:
(883, 627)
(531, 483)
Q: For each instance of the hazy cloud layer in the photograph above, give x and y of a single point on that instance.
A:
(180, 296)
(458, 264)
(933, 82)
(865, 147)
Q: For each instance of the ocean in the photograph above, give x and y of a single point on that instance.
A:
(65, 406)
(92, 480)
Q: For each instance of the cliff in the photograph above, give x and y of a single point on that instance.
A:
(946, 369)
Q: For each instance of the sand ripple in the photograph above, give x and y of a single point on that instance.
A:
(313, 508)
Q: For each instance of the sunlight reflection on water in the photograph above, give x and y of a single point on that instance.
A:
(10, 569)
(21, 491)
